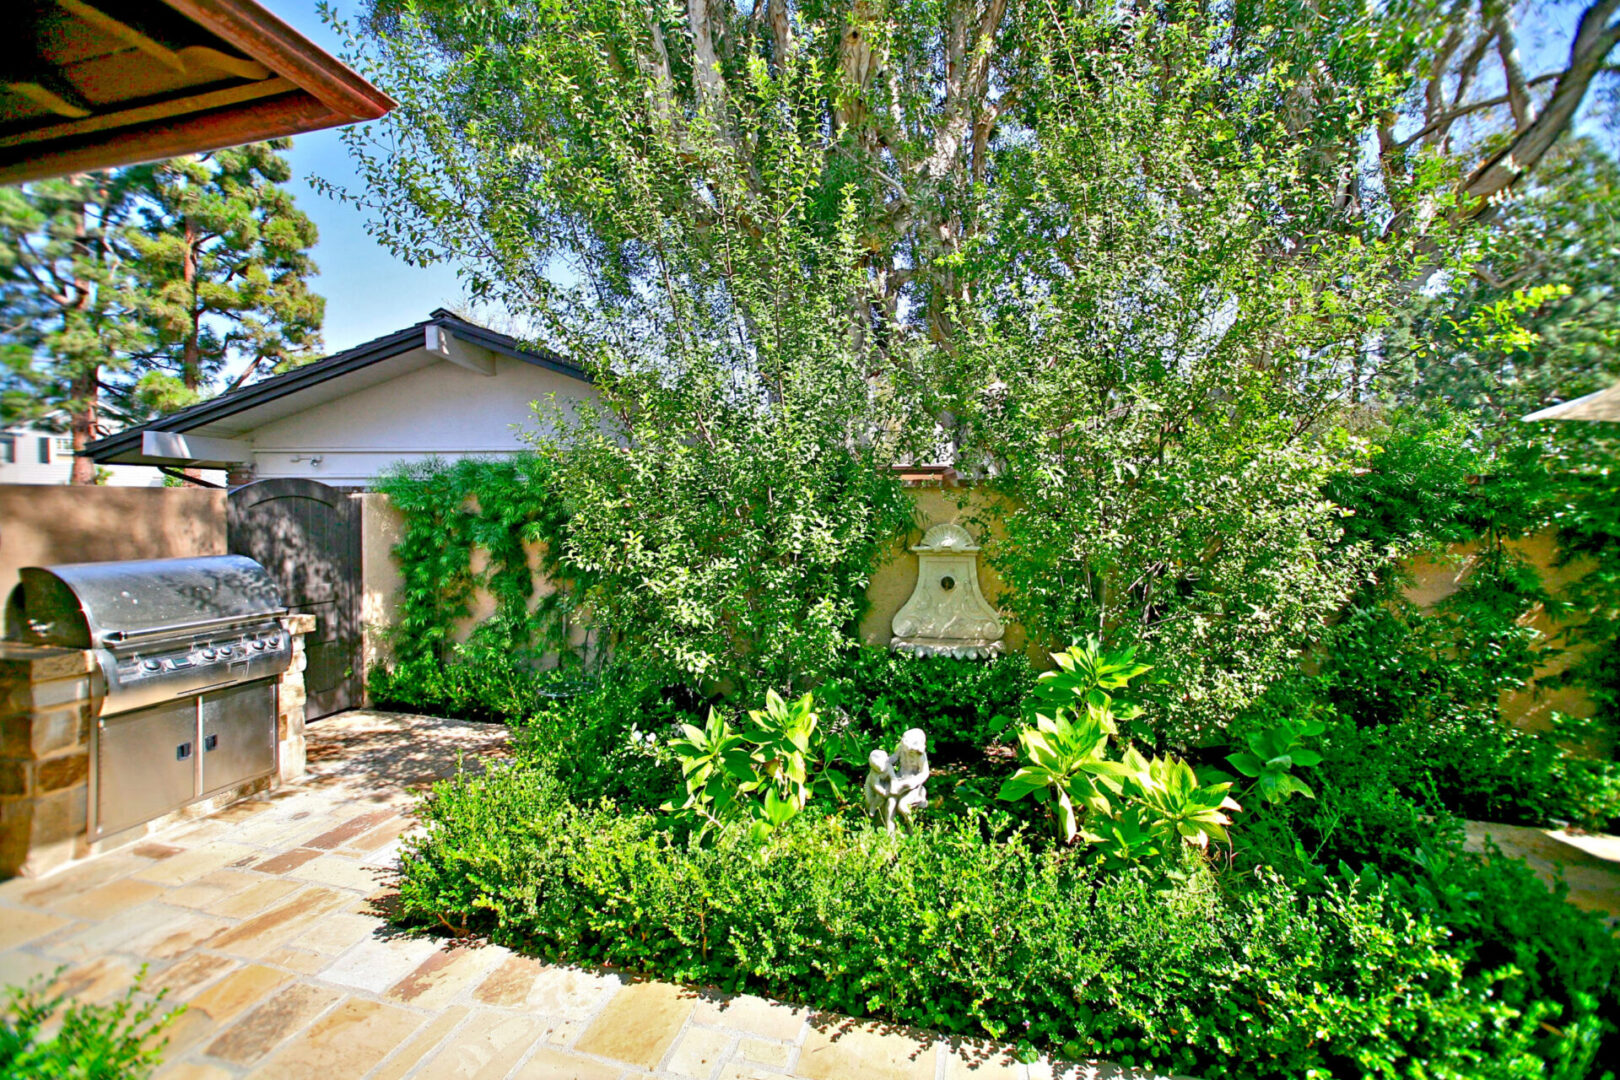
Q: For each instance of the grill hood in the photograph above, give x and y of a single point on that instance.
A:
(102, 605)
(160, 629)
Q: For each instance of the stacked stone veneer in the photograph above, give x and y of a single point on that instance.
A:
(290, 703)
(49, 701)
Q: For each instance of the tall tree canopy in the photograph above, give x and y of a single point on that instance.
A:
(525, 126)
(219, 266)
(66, 336)
(1131, 262)
(127, 292)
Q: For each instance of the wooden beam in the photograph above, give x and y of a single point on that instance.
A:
(201, 56)
(124, 32)
(267, 118)
(445, 345)
(163, 110)
(58, 99)
(261, 35)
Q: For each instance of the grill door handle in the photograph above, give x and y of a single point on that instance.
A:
(182, 751)
(211, 743)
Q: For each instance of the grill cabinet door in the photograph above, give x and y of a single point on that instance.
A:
(146, 764)
(239, 734)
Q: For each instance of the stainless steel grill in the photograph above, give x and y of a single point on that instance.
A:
(188, 650)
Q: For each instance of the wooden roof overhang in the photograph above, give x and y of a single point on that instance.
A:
(99, 83)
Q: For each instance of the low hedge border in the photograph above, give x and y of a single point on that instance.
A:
(961, 929)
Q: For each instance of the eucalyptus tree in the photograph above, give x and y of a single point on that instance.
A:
(1128, 260)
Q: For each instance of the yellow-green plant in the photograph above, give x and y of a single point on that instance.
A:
(1133, 809)
(767, 770)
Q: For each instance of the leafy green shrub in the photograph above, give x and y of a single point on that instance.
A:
(118, 1041)
(1370, 809)
(1483, 767)
(963, 705)
(472, 683)
(764, 772)
(964, 928)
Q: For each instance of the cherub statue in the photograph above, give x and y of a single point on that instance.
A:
(894, 783)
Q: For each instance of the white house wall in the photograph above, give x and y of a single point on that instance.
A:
(441, 410)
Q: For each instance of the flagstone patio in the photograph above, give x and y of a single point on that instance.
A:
(264, 919)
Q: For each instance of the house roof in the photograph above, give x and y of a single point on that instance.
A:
(92, 84)
(256, 404)
(1603, 405)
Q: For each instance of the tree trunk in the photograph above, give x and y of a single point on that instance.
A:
(82, 425)
(191, 354)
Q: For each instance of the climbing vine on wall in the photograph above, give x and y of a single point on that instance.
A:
(501, 507)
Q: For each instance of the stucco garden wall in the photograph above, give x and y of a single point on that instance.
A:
(41, 525)
(895, 576)
(1434, 579)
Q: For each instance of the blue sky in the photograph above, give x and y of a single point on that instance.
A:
(368, 292)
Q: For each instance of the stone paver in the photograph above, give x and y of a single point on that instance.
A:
(835, 1050)
(264, 921)
(1589, 863)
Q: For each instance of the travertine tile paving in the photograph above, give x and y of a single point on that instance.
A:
(263, 919)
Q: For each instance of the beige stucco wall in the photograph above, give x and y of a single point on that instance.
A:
(381, 528)
(895, 575)
(1434, 579)
(42, 525)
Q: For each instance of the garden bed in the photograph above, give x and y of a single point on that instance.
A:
(1307, 947)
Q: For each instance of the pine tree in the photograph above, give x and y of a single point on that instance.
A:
(219, 266)
(66, 338)
(129, 292)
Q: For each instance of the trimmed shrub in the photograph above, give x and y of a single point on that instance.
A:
(962, 704)
(1462, 970)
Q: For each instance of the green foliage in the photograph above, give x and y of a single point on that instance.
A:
(501, 509)
(66, 334)
(963, 705)
(1063, 759)
(127, 291)
(117, 1041)
(1451, 970)
(473, 682)
(764, 773)
(1135, 808)
(219, 260)
(1084, 675)
(727, 543)
(1272, 754)
(1535, 322)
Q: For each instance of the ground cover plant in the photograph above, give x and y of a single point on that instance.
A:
(1127, 924)
(50, 1038)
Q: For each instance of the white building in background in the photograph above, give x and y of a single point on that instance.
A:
(443, 388)
(30, 455)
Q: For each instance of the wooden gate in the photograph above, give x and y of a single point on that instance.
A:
(307, 535)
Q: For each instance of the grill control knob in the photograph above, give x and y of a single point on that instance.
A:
(209, 654)
(258, 644)
(152, 665)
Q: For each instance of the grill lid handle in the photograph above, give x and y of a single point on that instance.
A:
(116, 637)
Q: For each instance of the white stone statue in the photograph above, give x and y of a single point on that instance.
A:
(894, 782)
(947, 614)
